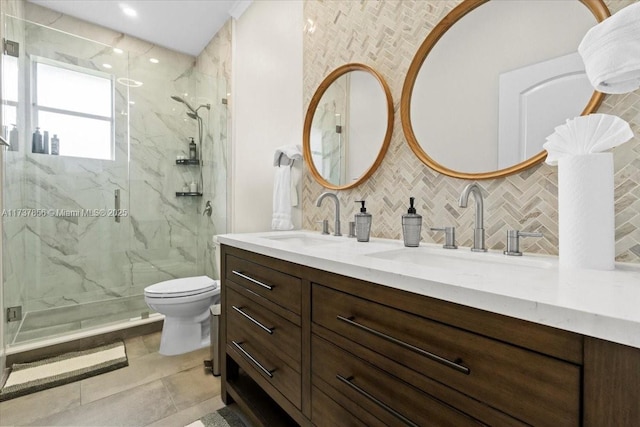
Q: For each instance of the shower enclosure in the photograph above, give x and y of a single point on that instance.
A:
(91, 206)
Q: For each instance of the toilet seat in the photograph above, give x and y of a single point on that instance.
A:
(184, 287)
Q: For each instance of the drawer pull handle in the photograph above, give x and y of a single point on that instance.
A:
(252, 280)
(267, 372)
(264, 328)
(375, 400)
(458, 367)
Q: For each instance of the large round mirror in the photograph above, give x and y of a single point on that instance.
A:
(348, 126)
(493, 79)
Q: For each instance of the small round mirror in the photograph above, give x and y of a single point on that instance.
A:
(347, 129)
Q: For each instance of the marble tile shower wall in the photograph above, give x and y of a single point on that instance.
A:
(386, 35)
(73, 260)
(213, 68)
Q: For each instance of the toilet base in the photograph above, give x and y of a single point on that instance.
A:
(182, 335)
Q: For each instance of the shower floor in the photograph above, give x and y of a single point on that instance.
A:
(54, 322)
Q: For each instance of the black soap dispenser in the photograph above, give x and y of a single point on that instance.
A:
(193, 155)
(411, 226)
(363, 223)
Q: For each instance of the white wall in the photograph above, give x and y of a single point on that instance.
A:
(266, 99)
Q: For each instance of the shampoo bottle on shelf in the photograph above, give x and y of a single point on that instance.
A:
(13, 139)
(193, 155)
(363, 223)
(36, 142)
(45, 142)
(411, 226)
(193, 187)
(55, 145)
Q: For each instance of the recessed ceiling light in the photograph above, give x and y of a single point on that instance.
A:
(129, 11)
(153, 60)
(116, 50)
(107, 66)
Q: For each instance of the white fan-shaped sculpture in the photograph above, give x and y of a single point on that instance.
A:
(594, 133)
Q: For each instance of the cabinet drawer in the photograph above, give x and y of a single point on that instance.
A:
(325, 412)
(534, 388)
(264, 365)
(273, 285)
(248, 319)
(386, 398)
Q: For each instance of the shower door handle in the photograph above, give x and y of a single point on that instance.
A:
(116, 197)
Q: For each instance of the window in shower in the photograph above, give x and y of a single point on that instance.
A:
(76, 105)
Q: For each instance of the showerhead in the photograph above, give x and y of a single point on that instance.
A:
(177, 98)
(193, 115)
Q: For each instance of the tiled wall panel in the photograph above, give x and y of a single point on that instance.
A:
(385, 35)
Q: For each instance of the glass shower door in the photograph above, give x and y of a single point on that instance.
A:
(66, 176)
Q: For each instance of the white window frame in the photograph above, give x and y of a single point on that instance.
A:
(9, 102)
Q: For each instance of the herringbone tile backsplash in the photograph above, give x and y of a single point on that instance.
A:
(385, 35)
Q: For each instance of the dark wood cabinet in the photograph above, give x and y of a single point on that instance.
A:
(331, 350)
(488, 370)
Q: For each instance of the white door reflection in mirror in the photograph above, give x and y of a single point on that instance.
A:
(534, 100)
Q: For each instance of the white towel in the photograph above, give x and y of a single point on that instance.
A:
(285, 154)
(611, 52)
(282, 199)
(296, 172)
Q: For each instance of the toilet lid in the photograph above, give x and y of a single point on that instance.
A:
(185, 286)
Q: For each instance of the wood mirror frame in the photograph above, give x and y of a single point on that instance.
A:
(311, 110)
(597, 8)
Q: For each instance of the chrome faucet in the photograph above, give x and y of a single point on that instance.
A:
(336, 231)
(478, 232)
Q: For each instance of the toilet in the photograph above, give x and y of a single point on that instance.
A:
(185, 304)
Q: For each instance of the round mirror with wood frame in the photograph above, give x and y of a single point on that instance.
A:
(436, 126)
(348, 108)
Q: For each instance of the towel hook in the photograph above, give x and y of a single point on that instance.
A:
(289, 161)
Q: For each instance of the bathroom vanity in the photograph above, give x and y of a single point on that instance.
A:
(326, 331)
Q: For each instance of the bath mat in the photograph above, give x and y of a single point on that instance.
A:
(223, 417)
(26, 378)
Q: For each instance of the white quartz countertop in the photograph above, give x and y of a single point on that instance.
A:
(601, 304)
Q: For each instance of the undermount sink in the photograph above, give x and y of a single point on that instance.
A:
(302, 239)
(429, 256)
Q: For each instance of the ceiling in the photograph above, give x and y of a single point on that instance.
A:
(183, 25)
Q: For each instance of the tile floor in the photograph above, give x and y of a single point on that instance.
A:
(154, 390)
